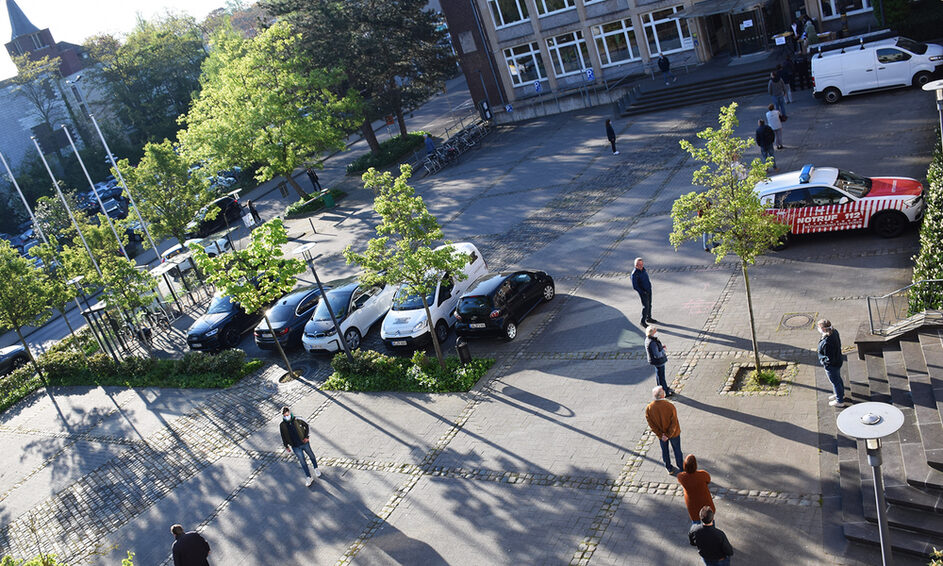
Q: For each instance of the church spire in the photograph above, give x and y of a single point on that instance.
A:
(19, 23)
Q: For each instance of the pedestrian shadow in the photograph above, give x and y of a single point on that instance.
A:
(786, 430)
(536, 401)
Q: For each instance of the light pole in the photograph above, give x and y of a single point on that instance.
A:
(76, 281)
(938, 87)
(19, 191)
(871, 422)
(304, 250)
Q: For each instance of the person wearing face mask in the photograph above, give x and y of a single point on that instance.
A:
(830, 357)
(658, 357)
(295, 438)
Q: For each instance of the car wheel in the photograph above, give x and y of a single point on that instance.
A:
(922, 78)
(18, 363)
(782, 244)
(352, 337)
(441, 331)
(889, 224)
(230, 337)
(832, 95)
(549, 292)
(510, 331)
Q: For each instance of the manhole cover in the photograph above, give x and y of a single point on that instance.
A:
(797, 321)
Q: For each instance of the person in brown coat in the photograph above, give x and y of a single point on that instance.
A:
(662, 418)
(696, 492)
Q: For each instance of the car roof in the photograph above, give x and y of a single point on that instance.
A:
(297, 295)
(486, 284)
(790, 180)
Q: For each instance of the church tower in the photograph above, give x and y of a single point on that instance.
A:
(29, 40)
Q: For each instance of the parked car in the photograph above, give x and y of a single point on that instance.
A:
(288, 318)
(211, 246)
(497, 302)
(357, 307)
(115, 208)
(230, 211)
(406, 325)
(827, 199)
(12, 357)
(222, 325)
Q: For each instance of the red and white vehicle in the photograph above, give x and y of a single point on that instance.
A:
(827, 199)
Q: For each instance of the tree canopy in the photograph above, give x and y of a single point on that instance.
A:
(22, 295)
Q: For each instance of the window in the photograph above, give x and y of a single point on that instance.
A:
(616, 42)
(38, 42)
(568, 53)
(889, 55)
(545, 7)
(832, 9)
(507, 12)
(824, 196)
(525, 64)
(796, 198)
(665, 32)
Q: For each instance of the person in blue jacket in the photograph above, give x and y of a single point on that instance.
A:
(830, 356)
(643, 286)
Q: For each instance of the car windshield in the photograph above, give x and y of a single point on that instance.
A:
(220, 305)
(911, 45)
(852, 183)
(404, 301)
(282, 312)
(338, 302)
(479, 305)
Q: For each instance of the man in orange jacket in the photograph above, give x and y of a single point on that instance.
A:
(662, 417)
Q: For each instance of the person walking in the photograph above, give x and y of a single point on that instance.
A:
(830, 356)
(189, 548)
(777, 89)
(611, 135)
(295, 438)
(774, 120)
(658, 357)
(643, 286)
(711, 542)
(765, 137)
(255, 213)
(697, 494)
(313, 177)
(662, 418)
(665, 66)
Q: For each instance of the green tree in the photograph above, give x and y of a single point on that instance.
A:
(55, 276)
(22, 296)
(261, 103)
(255, 276)
(168, 196)
(402, 251)
(37, 81)
(729, 210)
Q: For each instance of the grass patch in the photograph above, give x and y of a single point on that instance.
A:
(391, 151)
(303, 207)
(760, 380)
(373, 371)
(772, 379)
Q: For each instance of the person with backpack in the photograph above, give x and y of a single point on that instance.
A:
(657, 356)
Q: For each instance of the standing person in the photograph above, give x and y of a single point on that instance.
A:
(830, 357)
(809, 32)
(295, 438)
(665, 66)
(777, 89)
(313, 177)
(662, 418)
(430, 145)
(255, 213)
(611, 135)
(774, 120)
(657, 356)
(643, 286)
(765, 137)
(789, 69)
(711, 542)
(189, 549)
(697, 494)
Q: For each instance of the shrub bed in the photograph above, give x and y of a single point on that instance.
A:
(928, 263)
(391, 151)
(373, 371)
(307, 206)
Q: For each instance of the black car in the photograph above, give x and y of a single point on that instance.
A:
(229, 212)
(288, 318)
(12, 357)
(496, 303)
(221, 326)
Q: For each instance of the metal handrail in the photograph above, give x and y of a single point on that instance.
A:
(890, 310)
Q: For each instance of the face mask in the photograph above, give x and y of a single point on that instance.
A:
(287, 417)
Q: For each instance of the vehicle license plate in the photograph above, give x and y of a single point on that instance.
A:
(196, 345)
(477, 325)
(399, 342)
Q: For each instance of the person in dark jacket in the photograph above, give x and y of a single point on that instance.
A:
(189, 549)
(711, 542)
(255, 213)
(611, 136)
(777, 89)
(643, 286)
(295, 438)
(789, 68)
(665, 66)
(830, 356)
(765, 138)
(313, 177)
(657, 356)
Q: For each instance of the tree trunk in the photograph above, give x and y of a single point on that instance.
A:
(278, 344)
(74, 335)
(435, 339)
(294, 184)
(400, 118)
(366, 129)
(30, 354)
(756, 350)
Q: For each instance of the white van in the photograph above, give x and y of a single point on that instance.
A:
(406, 325)
(888, 63)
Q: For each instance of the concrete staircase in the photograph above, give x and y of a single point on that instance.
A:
(906, 371)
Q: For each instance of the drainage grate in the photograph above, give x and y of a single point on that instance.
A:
(797, 321)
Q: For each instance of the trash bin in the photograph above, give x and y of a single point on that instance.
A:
(464, 354)
(328, 199)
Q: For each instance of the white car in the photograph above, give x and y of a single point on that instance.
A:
(211, 246)
(357, 307)
(406, 325)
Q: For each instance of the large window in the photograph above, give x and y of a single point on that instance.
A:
(666, 32)
(831, 9)
(616, 42)
(568, 53)
(545, 7)
(507, 12)
(525, 64)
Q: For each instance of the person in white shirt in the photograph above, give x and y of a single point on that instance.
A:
(774, 119)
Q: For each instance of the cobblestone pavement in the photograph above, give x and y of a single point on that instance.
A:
(548, 459)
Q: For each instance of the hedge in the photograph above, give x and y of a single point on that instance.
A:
(306, 206)
(373, 371)
(928, 263)
(391, 151)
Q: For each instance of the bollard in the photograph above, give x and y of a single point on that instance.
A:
(464, 354)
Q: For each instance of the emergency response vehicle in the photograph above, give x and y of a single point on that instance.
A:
(827, 199)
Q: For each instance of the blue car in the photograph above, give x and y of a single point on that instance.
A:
(288, 318)
(221, 327)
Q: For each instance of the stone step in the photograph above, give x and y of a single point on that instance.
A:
(908, 519)
(901, 541)
(675, 96)
(859, 388)
(913, 497)
(932, 346)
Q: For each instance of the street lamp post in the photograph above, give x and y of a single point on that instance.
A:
(871, 422)
(938, 87)
(304, 250)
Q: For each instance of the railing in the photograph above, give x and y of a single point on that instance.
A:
(888, 311)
